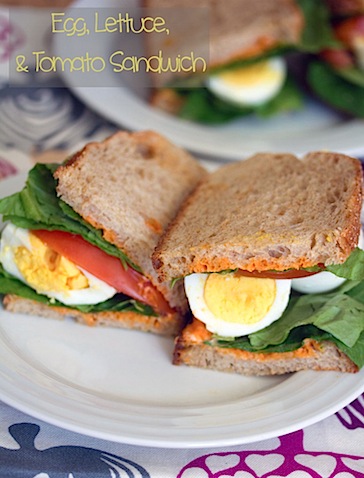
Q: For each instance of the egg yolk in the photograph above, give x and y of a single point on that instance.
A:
(46, 270)
(250, 75)
(239, 299)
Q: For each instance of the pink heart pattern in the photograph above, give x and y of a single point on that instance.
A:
(261, 465)
(288, 460)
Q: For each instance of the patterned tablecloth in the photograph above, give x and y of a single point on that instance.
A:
(44, 124)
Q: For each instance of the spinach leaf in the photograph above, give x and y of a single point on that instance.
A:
(352, 268)
(317, 33)
(355, 353)
(337, 316)
(293, 341)
(335, 90)
(202, 106)
(289, 98)
(353, 75)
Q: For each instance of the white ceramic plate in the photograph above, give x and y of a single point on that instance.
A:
(120, 385)
(313, 128)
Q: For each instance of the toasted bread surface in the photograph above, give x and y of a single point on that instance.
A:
(169, 325)
(270, 212)
(191, 349)
(131, 186)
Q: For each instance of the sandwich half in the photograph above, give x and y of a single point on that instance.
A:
(247, 71)
(79, 237)
(256, 53)
(270, 252)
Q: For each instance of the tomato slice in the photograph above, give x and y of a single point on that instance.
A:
(348, 30)
(105, 267)
(338, 58)
(289, 274)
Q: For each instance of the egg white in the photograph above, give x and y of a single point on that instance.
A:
(322, 281)
(194, 287)
(248, 91)
(14, 237)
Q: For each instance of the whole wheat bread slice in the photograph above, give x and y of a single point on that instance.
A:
(191, 349)
(270, 212)
(131, 186)
(169, 325)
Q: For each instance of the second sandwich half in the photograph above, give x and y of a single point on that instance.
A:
(271, 253)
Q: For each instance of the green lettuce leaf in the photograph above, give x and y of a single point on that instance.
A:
(337, 316)
(355, 353)
(289, 98)
(335, 90)
(293, 341)
(38, 207)
(334, 312)
(352, 268)
(202, 106)
(317, 33)
(353, 75)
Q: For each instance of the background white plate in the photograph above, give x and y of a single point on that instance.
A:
(120, 385)
(313, 128)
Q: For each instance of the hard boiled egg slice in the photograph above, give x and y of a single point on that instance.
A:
(27, 258)
(322, 281)
(250, 85)
(232, 305)
(317, 283)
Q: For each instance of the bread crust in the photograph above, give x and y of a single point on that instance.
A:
(269, 212)
(191, 349)
(169, 325)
